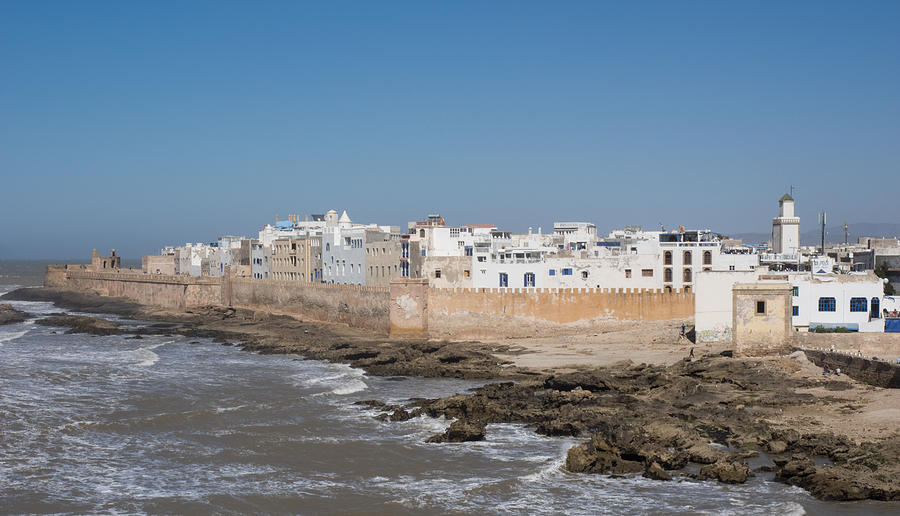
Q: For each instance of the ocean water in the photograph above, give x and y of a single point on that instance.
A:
(114, 425)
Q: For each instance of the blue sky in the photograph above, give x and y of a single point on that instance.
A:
(135, 126)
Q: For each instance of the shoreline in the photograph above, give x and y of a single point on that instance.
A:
(656, 420)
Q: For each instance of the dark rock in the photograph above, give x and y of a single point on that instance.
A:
(82, 324)
(9, 315)
(460, 431)
(656, 472)
(724, 471)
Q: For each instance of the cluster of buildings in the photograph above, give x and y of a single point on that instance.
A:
(328, 248)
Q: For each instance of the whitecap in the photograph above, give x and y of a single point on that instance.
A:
(354, 385)
(6, 337)
(146, 355)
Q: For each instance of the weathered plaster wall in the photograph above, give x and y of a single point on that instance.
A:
(356, 305)
(467, 313)
(177, 292)
(409, 307)
(762, 333)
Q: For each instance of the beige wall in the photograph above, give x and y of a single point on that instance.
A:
(882, 345)
(176, 292)
(469, 313)
(764, 333)
(356, 305)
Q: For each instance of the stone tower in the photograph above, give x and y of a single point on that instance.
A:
(786, 228)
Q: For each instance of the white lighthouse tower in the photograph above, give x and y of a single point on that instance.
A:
(786, 228)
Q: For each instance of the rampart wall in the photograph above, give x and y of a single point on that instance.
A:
(485, 313)
(406, 307)
(882, 345)
(873, 372)
(175, 292)
(355, 305)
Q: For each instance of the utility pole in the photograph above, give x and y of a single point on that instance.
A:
(822, 217)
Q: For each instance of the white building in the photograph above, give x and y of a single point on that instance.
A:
(852, 301)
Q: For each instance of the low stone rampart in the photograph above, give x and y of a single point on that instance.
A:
(407, 307)
(175, 292)
(882, 345)
(500, 312)
(355, 305)
(873, 372)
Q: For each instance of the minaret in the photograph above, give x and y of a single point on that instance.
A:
(786, 228)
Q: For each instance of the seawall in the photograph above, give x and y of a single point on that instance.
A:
(407, 307)
(498, 313)
(878, 373)
(357, 306)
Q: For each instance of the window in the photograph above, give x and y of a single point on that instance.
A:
(667, 275)
(647, 273)
(761, 307)
(686, 276)
(707, 257)
(858, 304)
(687, 258)
(468, 250)
(667, 258)
(876, 308)
(423, 252)
(566, 272)
(421, 233)
(796, 291)
(731, 267)
(504, 279)
(584, 274)
(627, 273)
(482, 258)
(552, 272)
(466, 274)
(707, 269)
(827, 304)
(795, 311)
(437, 273)
(529, 279)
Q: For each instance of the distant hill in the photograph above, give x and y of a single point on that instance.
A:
(832, 233)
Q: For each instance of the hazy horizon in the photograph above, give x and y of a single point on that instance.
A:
(138, 126)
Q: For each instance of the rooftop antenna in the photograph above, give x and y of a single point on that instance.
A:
(822, 217)
(662, 228)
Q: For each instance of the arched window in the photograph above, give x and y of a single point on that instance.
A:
(687, 258)
(667, 258)
(707, 257)
(667, 275)
(876, 308)
(686, 276)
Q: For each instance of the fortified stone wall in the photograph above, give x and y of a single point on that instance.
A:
(357, 306)
(469, 313)
(877, 373)
(175, 292)
(882, 345)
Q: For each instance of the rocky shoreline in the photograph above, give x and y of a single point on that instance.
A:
(714, 418)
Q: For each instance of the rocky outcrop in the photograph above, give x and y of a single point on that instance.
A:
(82, 324)
(460, 431)
(9, 315)
(728, 472)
